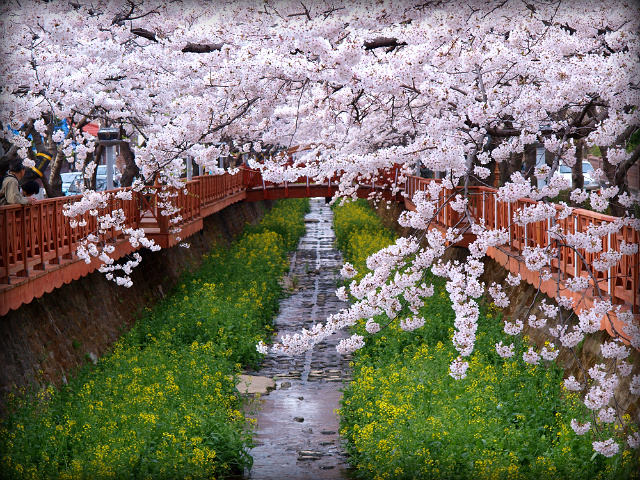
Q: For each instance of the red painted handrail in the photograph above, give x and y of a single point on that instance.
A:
(621, 283)
(34, 236)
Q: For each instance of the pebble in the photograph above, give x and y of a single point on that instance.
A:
(298, 419)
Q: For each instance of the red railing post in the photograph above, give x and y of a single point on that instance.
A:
(4, 259)
(23, 243)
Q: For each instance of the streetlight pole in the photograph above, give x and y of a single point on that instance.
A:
(189, 168)
(109, 138)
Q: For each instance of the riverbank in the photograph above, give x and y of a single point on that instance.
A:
(44, 342)
(163, 402)
(405, 417)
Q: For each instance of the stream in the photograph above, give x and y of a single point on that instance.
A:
(297, 426)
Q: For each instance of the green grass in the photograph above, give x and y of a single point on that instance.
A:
(405, 417)
(163, 403)
(359, 232)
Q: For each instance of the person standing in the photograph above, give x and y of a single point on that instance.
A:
(10, 188)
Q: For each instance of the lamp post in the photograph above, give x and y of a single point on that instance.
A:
(108, 137)
(189, 168)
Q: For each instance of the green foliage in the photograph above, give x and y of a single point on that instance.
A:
(405, 417)
(283, 219)
(633, 142)
(595, 150)
(359, 233)
(163, 403)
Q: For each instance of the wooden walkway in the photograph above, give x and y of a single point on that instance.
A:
(37, 244)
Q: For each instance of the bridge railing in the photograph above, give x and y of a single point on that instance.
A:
(253, 179)
(620, 282)
(32, 236)
(216, 187)
(35, 235)
(445, 215)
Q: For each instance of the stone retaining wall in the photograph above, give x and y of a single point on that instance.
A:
(43, 342)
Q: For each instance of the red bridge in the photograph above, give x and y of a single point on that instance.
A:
(37, 244)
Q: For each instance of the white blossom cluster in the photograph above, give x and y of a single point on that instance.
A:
(443, 98)
(96, 206)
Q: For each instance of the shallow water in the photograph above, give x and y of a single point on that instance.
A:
(297, 426)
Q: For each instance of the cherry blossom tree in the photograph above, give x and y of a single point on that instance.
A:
(368, 87)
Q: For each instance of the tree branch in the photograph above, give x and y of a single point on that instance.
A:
(232, 119)
(141, 32)
(383, 42)
(202, 47)
(624, 167)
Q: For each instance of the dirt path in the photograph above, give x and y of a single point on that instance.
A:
(297, 427)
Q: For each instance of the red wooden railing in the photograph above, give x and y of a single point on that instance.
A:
(34, 238)
(39, 234)
(38, 245)
(619, 283)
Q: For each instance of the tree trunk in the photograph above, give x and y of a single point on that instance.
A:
(6, 159)
(54, 177)
(131, 169)
(508, 167)
(56, 164)
(577, 177)
(91, 157)
(504, 170)
(491, 179)
(530, 164)
(516, 162)
(608, 168)
(47, 186)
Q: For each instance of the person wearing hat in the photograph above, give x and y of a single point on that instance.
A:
(10, 188)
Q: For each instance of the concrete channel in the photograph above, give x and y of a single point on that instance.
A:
(297, 425)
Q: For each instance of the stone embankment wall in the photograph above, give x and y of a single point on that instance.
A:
(525, 301)
(43, 342)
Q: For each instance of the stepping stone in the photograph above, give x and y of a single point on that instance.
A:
(252, 384)
(309, 455)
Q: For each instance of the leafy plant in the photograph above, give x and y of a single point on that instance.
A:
(404, 416)
(163, 403)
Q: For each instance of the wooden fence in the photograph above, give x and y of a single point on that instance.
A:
(37, 238)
